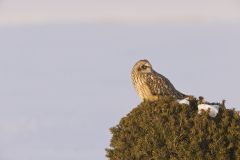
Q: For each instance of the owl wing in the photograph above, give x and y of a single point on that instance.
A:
(160, 85)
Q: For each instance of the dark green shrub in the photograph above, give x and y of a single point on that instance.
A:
(168, 130)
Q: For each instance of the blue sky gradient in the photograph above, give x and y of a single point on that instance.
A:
(34, 12)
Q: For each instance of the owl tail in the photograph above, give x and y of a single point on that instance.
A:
(183, 96)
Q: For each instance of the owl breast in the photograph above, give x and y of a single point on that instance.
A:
(142, 88)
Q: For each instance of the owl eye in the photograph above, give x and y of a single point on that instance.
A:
(144, 67)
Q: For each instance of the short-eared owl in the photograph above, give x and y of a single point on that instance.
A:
(150, 85)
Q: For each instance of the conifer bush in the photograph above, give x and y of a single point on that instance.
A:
(168, 130)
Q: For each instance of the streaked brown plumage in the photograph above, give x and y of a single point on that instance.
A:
(150, 85)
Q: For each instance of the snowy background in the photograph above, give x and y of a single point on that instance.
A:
(65, 80)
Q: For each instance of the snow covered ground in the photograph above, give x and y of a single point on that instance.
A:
(63, 87)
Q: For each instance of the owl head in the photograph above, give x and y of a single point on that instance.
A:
(143, 66)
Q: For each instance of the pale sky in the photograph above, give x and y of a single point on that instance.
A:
(28, 12)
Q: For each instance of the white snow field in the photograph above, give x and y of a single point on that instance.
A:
(63, 86)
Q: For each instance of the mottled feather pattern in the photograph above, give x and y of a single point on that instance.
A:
(151, 85)
(160, 85)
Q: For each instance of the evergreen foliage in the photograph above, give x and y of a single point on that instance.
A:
(168, 130)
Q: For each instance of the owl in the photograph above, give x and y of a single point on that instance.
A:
(150, 85)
